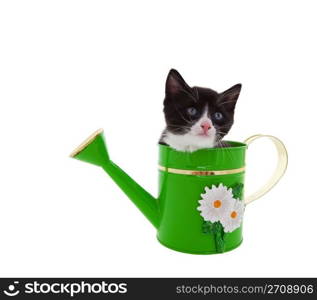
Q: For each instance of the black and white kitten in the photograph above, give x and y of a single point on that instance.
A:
(196, 117)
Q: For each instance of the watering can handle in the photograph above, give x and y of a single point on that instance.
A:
(279, 170)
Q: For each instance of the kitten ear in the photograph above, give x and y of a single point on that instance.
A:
(175, 83)
(229, 97)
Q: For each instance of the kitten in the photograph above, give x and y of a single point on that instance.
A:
(196, 117)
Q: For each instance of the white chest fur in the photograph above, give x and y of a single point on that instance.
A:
(188, 141)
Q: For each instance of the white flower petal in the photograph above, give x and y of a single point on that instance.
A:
(211, 213)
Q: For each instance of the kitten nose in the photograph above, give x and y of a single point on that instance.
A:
(205, 126)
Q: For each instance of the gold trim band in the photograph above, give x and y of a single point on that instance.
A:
(201, 173)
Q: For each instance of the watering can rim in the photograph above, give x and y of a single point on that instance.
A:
(235, 145)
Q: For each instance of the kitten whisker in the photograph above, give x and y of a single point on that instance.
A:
(221, 132)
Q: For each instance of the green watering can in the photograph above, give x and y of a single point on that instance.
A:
(200, 204)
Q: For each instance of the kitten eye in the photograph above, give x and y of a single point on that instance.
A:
(218, 116)
(192, 111)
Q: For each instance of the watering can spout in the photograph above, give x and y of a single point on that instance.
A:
(94, 150)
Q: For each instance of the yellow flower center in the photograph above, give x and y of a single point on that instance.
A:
(217, 203)
(233, 215)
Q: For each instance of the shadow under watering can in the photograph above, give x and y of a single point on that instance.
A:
(201, 201)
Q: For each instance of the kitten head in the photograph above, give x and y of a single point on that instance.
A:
(196, 117)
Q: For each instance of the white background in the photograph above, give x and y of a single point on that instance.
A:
(70, 67)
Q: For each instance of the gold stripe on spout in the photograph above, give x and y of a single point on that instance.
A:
(86, 142)
(201, 173)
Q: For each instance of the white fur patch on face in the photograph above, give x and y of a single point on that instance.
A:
(196, 138)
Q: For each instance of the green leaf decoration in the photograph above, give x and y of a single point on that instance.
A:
(215, 229)
(219, 237)
(207, 227)
(220, 243)
(237, 191)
